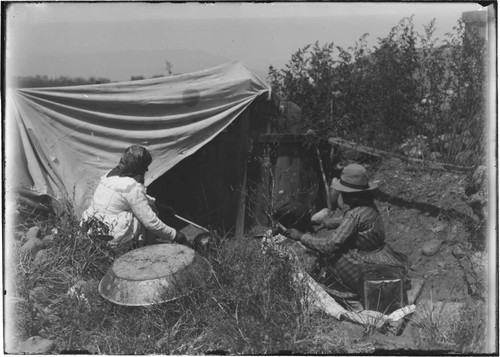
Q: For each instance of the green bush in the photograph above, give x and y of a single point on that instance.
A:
(408, 86)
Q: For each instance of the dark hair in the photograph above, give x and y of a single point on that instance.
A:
(133, 163)
(357, 199)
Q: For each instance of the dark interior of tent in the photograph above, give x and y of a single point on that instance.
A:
(206, 187)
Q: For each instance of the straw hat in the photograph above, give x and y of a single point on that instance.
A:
(353, 179)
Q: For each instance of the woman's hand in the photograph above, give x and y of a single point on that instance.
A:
(180, 238)
(293, 233)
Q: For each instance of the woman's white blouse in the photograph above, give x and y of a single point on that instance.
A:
(123, 205)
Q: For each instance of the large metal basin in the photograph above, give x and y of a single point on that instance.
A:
(154, 274)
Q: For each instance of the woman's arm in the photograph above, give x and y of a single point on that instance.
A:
(329, 245)
(141, 208)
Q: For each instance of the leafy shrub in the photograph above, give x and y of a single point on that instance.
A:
(409, 85)
(416, 147)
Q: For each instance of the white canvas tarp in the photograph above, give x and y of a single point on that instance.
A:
(59, 141)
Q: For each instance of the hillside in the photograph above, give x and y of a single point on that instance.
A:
(253, 306)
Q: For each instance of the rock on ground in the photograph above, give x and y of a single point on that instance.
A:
(35, 345)
(431, 247)
(33, 232)
(32, 246)
(42, 257)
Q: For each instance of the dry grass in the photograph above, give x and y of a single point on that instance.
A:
(453, 326)
(251, 307)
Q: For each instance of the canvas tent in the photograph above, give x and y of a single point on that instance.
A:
(59, 141)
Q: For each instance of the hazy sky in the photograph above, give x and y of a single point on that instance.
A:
(117, 40)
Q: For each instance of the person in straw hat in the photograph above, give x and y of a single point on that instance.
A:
(357, 245)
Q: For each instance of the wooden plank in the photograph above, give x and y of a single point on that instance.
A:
(384, 154)
(281, 138)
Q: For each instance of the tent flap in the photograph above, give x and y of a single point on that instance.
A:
(71, 136)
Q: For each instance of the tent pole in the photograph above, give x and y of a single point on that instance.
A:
(240, 216)
(244, 129)
(325, 183)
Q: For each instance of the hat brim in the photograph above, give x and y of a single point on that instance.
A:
(341, 188)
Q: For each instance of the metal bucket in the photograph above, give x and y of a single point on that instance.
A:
(154, 274)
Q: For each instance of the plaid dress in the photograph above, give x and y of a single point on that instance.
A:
(352, 249)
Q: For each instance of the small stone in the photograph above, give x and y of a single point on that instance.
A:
(42, 257)
(33, 232)
(36, 345)
(32, 246)
(431, 247)
(400, 227)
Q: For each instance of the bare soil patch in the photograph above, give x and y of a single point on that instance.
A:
(420, 206)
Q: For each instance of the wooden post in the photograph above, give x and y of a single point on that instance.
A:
(241, 208)
(240, 216)
(325, 183)
(262, 194)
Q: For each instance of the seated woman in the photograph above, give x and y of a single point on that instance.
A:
(122, 209)
(357, 246)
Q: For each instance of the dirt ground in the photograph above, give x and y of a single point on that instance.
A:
(418, 206)
(421, 206)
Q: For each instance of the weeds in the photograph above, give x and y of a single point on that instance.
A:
(251, 306)
(458, 326)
